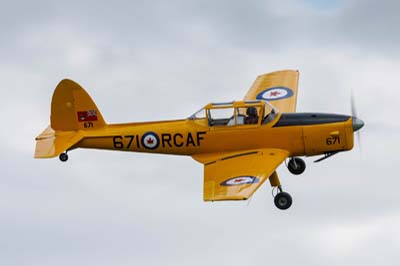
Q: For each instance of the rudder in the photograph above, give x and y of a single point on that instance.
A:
(73, 109)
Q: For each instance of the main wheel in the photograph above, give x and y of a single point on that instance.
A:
(296, 166)
(283, 200)
(63, 157)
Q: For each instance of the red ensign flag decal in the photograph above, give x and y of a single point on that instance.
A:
(90, 115)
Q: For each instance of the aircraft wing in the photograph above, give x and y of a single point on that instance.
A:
(237, 175)
(279, 88)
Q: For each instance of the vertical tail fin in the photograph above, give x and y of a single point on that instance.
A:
(73, 109)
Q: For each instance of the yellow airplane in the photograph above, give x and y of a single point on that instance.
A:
(240, 143)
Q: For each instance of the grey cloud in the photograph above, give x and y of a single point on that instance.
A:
(158, 60)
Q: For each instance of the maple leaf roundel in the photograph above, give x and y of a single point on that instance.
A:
(150, 140)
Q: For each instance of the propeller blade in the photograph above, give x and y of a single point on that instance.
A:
(353, 105)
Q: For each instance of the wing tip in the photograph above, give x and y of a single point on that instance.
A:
(296, 71)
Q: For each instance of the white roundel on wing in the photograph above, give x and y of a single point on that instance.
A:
(240, 180)
(274, 94)
(150, 141)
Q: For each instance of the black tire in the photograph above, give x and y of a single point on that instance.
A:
(298, 167)
(63, 157)
(283, 200)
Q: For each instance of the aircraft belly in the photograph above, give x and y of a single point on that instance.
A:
(290, 139)
(183, 139)
(178, 141)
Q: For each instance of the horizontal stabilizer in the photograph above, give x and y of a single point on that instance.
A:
(52, 143)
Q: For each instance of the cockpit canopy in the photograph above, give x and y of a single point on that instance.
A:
(236, 113)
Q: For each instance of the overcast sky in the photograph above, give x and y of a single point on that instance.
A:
(154, 60)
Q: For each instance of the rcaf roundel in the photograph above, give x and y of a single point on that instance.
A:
(150, 140)
(275, 93)
(240, 180)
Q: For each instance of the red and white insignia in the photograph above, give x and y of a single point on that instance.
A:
(90, 115)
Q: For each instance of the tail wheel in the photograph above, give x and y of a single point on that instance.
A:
(296, 166)
(283, 200)
(63, 157)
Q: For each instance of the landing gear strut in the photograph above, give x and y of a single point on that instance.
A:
(296, 166)
(63, 157)
(282, 200)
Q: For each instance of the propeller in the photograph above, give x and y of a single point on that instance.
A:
(357, 123)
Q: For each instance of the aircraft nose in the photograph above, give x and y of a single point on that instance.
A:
(357, 123)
